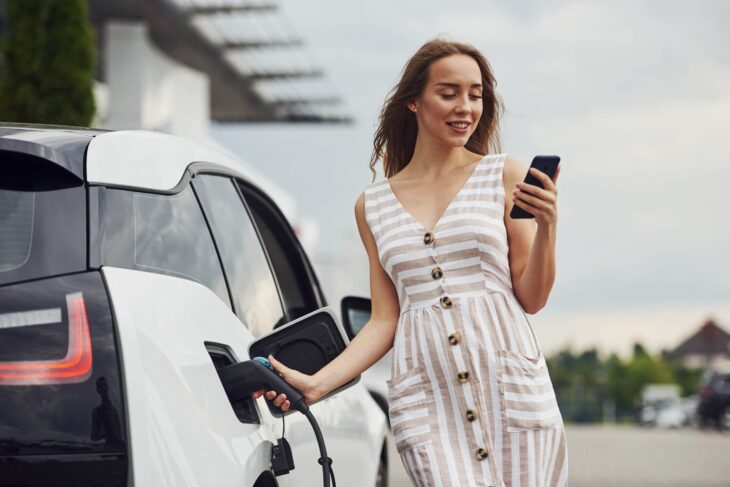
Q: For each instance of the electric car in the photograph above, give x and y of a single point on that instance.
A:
(133, 266)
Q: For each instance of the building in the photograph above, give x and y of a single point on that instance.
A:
(708, 348)
(166, 61)
(174, 66)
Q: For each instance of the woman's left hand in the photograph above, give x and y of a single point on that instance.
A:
(542, 203)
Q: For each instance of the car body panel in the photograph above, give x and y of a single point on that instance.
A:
(183, 430)
(171, 384)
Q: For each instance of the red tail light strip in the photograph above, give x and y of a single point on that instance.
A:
(74, 367)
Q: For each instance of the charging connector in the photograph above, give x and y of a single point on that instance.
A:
(241, 379)
(282, 460)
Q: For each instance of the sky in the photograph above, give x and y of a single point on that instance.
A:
(633, 95)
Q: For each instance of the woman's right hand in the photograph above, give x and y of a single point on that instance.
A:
(302, 382)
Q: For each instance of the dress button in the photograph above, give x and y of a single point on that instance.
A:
(463, 376)
(482, 454)
(437, 273)
(446, 302)
(428, 238)
(454, 338)
(471, 415)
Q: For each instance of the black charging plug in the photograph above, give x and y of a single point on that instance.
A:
(241, 379)
(282, 460)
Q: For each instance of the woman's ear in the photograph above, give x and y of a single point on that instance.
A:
(412, 107)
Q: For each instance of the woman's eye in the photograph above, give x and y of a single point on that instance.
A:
(449, 97)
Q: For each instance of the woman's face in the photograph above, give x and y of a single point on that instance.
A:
(450, 106)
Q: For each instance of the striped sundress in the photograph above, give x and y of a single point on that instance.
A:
(470, 398)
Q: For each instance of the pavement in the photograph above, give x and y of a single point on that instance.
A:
(630, 456)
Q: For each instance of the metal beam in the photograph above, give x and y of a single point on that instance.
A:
(230, 9)
(332, 100)
(272, 75)
(235, 45)
(317, 118)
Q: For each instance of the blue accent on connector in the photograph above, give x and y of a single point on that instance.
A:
(264, 361)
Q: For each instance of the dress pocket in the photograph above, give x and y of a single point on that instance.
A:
(411, 410)
(527, 392)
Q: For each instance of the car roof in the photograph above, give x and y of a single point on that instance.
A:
(137, 159)
(154, 161)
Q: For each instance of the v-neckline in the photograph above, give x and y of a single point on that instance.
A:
(448, 207)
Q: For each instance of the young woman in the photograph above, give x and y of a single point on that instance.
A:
(452, 278)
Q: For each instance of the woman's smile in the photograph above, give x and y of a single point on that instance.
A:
(460, 128)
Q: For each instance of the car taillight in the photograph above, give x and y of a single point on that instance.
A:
(74, 367)
(62, 415)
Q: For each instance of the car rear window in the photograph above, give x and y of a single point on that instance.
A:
(42, 229)
(17, 212)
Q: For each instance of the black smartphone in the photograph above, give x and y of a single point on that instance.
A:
(545, 164)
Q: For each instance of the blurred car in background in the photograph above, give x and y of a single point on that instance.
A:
(355, 314)
(714, 405)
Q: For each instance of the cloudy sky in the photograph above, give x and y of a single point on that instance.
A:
(633, 95)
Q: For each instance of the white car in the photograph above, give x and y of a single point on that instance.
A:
(132, 265)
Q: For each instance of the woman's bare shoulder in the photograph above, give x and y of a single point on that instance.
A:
(360, 206)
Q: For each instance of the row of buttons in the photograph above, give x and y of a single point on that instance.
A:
(437, 272)
(454, 339)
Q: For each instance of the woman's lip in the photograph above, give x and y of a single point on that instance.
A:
(458, 130)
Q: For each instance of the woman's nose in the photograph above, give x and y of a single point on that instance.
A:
(462, 107)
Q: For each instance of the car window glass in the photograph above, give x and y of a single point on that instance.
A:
(42, 233)
(17, 212)
(160, 233)
(249, 275)
(286, 254)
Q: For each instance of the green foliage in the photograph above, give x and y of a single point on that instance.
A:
(48, 63)
(20, 76)
(590, 389)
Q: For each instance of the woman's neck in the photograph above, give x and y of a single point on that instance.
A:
(432, 160)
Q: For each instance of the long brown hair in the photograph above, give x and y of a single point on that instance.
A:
(395, 138)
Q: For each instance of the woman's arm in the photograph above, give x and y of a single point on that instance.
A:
(369, 345)
(531, 242)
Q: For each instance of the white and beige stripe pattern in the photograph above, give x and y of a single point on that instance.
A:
(470, 398)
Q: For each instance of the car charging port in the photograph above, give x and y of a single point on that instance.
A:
(244, 408)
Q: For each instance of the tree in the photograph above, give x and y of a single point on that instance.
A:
(20, 74)
(68, 96)
(586, 386)
(49, 63)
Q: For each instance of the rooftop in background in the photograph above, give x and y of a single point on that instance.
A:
(258, 68)
(709, 347)
(709, 340)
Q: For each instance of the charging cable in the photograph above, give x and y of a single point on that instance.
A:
(241, 379)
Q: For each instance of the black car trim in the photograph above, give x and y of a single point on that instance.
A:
(192, 170)
(67, 151)
(313, 280)
(122, 378)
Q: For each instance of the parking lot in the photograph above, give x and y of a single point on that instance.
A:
(632, 456)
